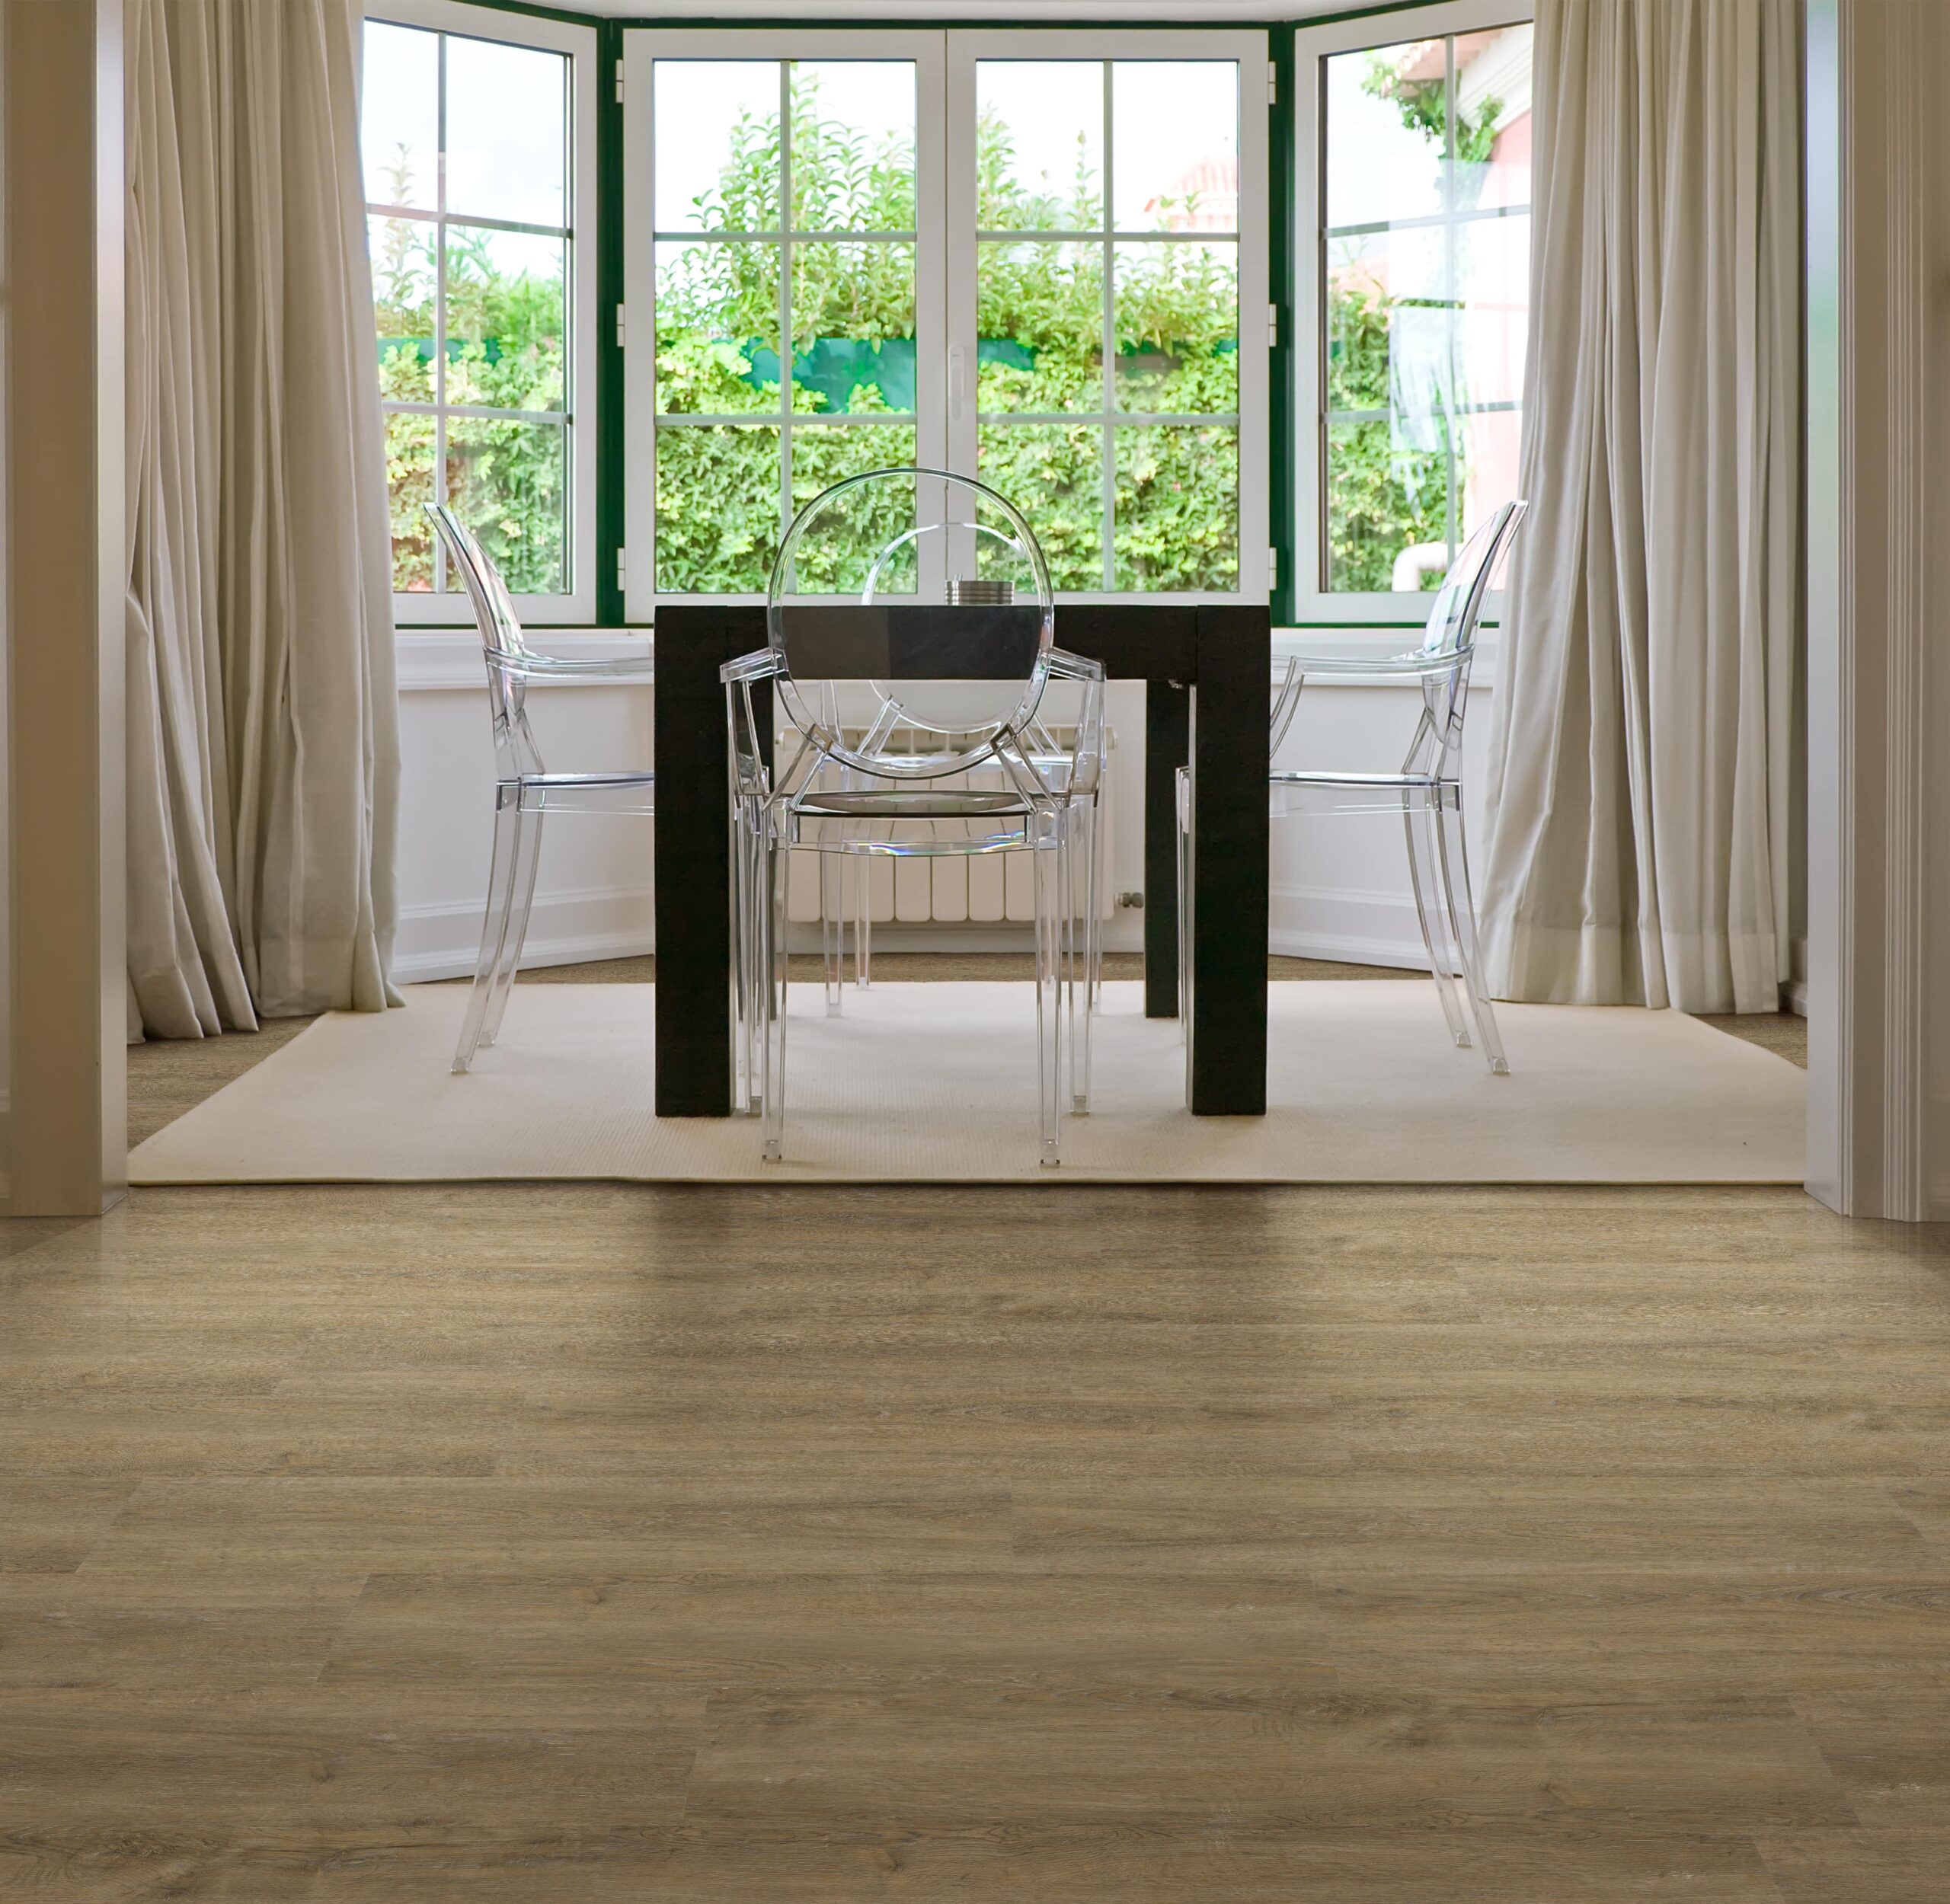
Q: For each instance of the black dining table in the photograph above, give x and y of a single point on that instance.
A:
(1205, 667)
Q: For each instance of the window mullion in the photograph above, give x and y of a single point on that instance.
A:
(784, 297)
(440, 309)
(1451, 180)
(1109, 346)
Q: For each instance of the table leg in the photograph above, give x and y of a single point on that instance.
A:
(1229, 848)
(1167, 729)
(693, 856)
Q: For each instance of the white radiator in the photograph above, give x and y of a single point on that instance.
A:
(980, 889)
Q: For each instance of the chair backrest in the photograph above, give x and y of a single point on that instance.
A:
(1459, 603)
(502, 646)
(933, 588)
(1451, 632)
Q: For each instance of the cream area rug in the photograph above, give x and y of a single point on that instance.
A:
(936, 1083)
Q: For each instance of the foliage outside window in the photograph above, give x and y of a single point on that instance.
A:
(1132, 479)
(467, 180)
(1425, 237)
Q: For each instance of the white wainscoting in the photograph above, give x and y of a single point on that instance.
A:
(1340, 885)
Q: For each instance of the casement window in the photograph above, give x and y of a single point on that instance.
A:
(1037, 256)
(1413, 190)
(478, 129)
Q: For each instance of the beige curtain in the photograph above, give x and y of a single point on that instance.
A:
(1639, 848)
(264, 748)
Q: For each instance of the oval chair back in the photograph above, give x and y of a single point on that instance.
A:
(932, 588)
(502, 646)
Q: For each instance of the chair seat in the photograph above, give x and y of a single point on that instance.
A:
(1408, 782)
(956, 802)
(617, 793)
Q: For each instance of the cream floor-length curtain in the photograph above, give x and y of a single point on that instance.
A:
(1640, 778)
(264, 732)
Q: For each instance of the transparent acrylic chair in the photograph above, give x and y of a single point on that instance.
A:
(524, 790)
(931, 590)
(1426, 791)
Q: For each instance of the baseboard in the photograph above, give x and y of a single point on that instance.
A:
(1342, 948)
(571, 927)
(1794, 997)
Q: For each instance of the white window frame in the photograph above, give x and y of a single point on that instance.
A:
(641, 50)
(946, 420)
(449, 608)
(1253, 422)
(1314, 606)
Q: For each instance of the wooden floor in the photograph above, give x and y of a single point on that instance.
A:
(594, 1544)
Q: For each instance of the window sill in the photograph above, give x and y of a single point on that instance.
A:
(442, 661)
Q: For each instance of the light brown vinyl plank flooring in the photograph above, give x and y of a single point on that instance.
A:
(524, 1543)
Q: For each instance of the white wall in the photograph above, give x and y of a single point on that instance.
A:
(1340, 886)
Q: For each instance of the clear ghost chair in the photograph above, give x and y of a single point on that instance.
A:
(930, 588)
(1426, 791)
(524, 790)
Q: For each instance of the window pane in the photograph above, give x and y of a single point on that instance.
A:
(509, 482)
(1054, 474)
(717, 329)
(717, 507)
(1039, 320)
(1178, 507)
(1178, 328)
(399, 115)
(409, 442)
(402, 251)
(1385, 135)
(1493, 117)
(853, 145)
(1493, 289)
(875, 515)
(1174, 151)
(852, 327)
(504, 320)
(1385, 506)
(507, 132)
(1039, 140)
(1427, 327)
(717, 144)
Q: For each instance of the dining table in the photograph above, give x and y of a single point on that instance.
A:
(1205, 667)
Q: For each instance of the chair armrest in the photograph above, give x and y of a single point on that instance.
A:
(533, 667)
(1387, 664)
(1066, 666)
(762, 664)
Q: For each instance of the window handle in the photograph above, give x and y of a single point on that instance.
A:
(957, 383)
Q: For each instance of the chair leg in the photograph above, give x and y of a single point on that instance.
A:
(528, 859)
(1419, 822)
(776, 858)
(745, 982)
(493, 924)
(1098, 832)
(863, 923)
(832, 928)
(1184, 935)
(1047, 858)
(1462, 907)
(1081, 902)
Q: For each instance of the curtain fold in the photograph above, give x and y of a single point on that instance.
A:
(1640, 776)
(264, 748)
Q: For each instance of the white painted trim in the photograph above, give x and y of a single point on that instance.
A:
(578, 43)
(1311, 46)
